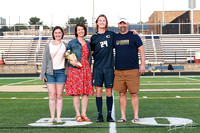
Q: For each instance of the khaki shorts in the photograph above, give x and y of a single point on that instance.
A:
(127, 79)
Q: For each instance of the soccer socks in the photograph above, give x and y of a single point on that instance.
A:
(109, 102)
(99, 104)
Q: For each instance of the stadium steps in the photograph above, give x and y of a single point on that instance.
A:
(151, 55)
(18, 51)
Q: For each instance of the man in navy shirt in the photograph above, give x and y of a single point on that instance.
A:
(127, 70)
(103, 72)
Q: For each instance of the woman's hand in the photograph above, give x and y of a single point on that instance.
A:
(44, 80)
(74, 63)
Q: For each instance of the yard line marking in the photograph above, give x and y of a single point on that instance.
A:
(19, 82)
(112, 125)
(121, 127)
(172, 84)
(19, 78)
(165, 76)
(174, 89)
(95, 98)
(112, 128)
(189, 78)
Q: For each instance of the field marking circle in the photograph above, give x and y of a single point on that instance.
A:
(174, 121)
(43, 122)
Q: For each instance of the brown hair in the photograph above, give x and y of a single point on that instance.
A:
(57, 27)
(102, 15)
(81, 25)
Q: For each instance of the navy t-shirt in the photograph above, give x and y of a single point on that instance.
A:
(102, 45)
(126, 47)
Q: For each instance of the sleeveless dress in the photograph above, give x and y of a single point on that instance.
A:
(79, 81)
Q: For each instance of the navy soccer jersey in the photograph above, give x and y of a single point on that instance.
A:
(126, 47)
(102, 45)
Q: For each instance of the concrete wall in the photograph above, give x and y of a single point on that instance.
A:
(31, 69)
(18, 69)
(193, 67)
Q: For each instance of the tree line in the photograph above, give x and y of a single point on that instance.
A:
(36, 21)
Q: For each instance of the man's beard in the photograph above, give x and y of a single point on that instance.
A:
(123, 29)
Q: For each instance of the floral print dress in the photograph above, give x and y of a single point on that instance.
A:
(79, 81)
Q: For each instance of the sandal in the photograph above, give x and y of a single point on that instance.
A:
(121, 120)
(59, 120)
(136, 120)
(51, 120)
(79, 119)
(84, 118)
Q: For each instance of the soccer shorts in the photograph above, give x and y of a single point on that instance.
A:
(103, 75)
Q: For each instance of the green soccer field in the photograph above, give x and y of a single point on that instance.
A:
(21, 109)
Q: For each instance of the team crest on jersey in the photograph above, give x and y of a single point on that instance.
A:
(107, 36)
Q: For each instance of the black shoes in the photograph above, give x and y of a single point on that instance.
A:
(100, 119)
(110, 119)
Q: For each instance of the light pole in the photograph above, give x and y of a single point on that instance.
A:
(192, 5)
(140, 12)
(163, 14)
(19, 19)
(93, 23)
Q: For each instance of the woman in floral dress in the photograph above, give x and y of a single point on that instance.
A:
(79, 80)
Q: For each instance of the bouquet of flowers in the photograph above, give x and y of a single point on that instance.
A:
(72, 57)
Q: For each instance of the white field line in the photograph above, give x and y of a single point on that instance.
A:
(172, 84)
(19, 78)
(112, 125)
(166, 76)
(19, 82)
(189, 78)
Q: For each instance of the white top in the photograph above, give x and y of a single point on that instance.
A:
(57, 57)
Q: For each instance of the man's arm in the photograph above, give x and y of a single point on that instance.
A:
(134, 32)
(142, 58)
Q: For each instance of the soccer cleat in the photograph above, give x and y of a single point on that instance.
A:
(110, 119)
(100, 119)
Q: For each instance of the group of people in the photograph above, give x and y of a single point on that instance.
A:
(57, 71)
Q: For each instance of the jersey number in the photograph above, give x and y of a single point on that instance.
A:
(104, 44)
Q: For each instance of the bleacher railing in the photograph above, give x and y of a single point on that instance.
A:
(157, 28)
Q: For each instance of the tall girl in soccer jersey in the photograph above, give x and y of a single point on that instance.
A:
(103, 71)
(79, 80)
(53, 72)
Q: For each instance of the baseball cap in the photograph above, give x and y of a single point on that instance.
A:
(123, 20)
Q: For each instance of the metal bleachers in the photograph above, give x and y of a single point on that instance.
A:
(179, 48)
(169, 49)
(15, 50)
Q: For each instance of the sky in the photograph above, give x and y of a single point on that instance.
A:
(57, 12)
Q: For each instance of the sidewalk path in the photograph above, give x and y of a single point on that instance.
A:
(24, 88)
(42, 88)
